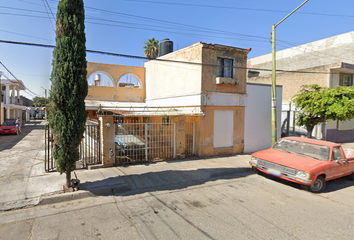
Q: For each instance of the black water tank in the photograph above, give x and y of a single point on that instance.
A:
(165, 47)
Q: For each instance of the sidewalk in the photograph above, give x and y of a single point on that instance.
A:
(168, 175)
(24, 182)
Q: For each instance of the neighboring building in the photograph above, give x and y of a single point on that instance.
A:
(26, 102)
(327, 62)
(11, 104)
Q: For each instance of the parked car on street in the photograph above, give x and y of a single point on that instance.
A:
(129, 144)
(308, 162)
(8, 127)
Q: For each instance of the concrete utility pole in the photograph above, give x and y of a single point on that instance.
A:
(45, 112)
(274, 85)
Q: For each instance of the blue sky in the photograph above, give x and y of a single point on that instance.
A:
(123, 26)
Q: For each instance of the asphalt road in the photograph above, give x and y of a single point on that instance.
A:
(240, 207)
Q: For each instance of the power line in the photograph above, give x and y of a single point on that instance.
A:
(18, 83)
(156, 28)
(20, 34)
(239, 8)
(191, 27)
(158, 59)
(44, 2)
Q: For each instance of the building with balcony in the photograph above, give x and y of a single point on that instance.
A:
(11, 101)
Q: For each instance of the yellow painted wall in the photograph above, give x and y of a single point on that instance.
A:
(116, 93)
(210, 56)
(205, 132)
(92, 114)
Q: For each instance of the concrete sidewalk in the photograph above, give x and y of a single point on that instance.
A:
(24, 182)
(168, 175)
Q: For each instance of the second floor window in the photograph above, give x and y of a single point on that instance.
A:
(225, 67)
(346, 80)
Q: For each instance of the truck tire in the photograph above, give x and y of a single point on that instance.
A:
(317, 186)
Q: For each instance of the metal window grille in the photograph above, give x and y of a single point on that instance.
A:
(190, 138)
(225, 67)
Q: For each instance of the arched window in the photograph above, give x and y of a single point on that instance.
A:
(129, 80)
(100, 78)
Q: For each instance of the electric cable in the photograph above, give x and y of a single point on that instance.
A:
(159, 59)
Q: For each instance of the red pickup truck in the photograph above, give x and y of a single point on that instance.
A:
(308, 162)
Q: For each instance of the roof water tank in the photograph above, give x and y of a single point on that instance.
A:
(165, 47)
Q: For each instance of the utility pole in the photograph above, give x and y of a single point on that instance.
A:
(45, 112)
(274, 85)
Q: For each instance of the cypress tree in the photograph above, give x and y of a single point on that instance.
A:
(69, 85)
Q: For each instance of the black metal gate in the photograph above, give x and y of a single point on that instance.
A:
(89, 148)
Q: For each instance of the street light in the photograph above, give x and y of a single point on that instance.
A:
(274, 85)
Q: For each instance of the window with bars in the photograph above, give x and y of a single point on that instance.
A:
(346, 80)
(166, 120)
(225, 67)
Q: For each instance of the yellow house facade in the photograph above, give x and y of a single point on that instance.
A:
(203, 83)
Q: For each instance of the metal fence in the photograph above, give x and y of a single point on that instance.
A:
(89, 148)
(190, 138)
(49, 163)
(144, 142)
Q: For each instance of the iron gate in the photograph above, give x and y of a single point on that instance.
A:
(144, 142)
(89, 148)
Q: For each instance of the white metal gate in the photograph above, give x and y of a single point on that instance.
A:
(143, 142)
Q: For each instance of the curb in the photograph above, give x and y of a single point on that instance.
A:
(80, 194)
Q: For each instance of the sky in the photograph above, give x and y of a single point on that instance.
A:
(123, 27)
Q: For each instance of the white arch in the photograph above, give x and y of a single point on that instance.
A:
(139, 84)
(101, 72)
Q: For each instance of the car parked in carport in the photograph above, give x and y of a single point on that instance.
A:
(308, 162)
(8, 127)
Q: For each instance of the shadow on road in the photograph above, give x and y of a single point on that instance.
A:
(163, 180)
(332, 186)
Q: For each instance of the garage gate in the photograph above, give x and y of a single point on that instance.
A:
(145, 142)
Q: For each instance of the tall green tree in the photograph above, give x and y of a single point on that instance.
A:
(69, 85)
(39, 101)
(320, 104)
(151, 48)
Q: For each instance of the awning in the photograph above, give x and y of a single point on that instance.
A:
(151, 111)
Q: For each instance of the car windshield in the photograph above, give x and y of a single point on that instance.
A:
(9, 123)
(121, 131)
(319, 152)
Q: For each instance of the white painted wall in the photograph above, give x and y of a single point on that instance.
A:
(223, 129)
(258, 117)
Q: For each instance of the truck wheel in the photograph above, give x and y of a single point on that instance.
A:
(318, 185)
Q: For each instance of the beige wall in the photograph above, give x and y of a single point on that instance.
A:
(172, 79)
(116, 93)
(293, 81)
(107, 142)
(205, 132)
